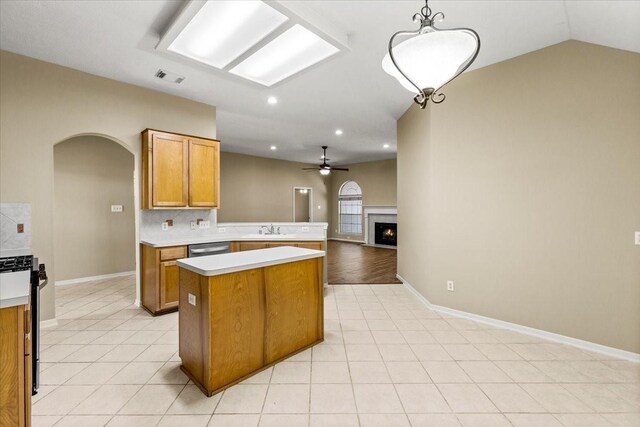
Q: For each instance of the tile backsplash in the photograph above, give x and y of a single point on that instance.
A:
(12, 214)
(151, 223)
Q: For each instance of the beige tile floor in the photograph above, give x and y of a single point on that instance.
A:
(386, 361)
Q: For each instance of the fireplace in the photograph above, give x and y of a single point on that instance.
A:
(386, 234)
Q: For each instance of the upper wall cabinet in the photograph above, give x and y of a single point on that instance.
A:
(179, 171)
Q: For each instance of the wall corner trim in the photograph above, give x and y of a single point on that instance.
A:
(538, 333)
(92, 278)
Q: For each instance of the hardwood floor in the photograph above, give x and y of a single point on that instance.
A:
(351, 263)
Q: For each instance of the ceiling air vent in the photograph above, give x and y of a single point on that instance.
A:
(168, 76)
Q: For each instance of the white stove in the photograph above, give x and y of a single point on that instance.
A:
(15, 280)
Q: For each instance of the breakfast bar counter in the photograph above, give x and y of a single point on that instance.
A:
(245, 311)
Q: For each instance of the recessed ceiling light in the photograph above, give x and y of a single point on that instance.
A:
(339, 132)
(290, 52)
(272, 100)
(385, 146)
(221, 31)
(273, 148)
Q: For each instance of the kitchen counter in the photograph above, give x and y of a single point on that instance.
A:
(227, 237)
(214, 265)
(243, 312)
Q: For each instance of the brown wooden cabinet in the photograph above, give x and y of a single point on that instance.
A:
(249, 246)
(243, 322)
(160, 278)
(179, 171)
(15, 366)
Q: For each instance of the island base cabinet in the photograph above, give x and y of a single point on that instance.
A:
(294, 308)
(234, 325)
(227, 344)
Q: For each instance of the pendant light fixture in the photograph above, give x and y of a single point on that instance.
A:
(431, 57)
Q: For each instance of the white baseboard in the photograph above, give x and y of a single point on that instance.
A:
(137, 303)
(538, 333)
(51, 323)
(92, 278)
(339, 239)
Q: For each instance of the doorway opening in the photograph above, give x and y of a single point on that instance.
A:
(94, 212)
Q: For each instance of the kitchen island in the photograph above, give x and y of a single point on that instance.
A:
(245, 311)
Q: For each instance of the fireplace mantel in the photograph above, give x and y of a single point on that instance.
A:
(375, 210)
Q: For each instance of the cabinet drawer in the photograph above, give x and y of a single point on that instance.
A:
(173, 253)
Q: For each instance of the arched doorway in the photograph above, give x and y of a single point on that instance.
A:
(95, 213)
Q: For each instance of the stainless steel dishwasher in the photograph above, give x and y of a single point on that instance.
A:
(204, 249)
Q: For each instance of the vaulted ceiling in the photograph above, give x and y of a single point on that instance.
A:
(117, 39)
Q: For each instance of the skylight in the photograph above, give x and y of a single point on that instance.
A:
(291, 52)
(221, 31)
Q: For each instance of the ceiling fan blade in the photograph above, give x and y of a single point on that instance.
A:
(310, 169)
(339, 169)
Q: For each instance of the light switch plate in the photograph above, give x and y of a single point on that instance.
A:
(192, 299)
(637, 237)
(116, 208)
(222, 230)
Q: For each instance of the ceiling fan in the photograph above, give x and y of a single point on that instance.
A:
(325, 168)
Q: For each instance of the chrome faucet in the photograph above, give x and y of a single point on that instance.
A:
(269, 229)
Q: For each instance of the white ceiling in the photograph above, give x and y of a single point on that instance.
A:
(117, 39)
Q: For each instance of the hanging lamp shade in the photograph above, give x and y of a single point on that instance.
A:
(431, 57)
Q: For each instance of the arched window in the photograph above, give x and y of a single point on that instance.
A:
(350, 208)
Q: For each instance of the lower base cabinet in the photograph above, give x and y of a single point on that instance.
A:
(15, 366)
(160, 278)
(160, 281)
(249, 246)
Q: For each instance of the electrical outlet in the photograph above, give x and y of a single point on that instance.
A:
(194, 225)
(450, 286)
(116, 208)
(205, 224)
(637, 237)
(222, 230)
(305, 228)
(192, 299)
(165, 226)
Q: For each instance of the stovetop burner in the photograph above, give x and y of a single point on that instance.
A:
(16, 263)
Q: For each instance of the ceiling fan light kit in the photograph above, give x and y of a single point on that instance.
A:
(324, 168)
(431, 57)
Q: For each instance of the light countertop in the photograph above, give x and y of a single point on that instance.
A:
(15, 288)
(228, 237)
(214, 265)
